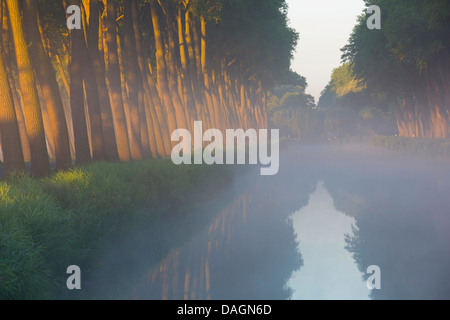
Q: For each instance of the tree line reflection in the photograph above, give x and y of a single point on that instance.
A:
(247, 252)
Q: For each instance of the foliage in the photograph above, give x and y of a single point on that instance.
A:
(344, 81)
(250, 30)
(407, 61)
(294, 112)
(346, 90)
(53, 22)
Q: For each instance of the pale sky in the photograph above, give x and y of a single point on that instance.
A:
(324, 27)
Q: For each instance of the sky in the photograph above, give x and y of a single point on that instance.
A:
(329, 271)
(325, 27)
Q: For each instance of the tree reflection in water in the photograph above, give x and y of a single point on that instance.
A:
(248, 252)
(245, 246)
(402, 225)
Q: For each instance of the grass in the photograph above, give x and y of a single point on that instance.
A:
(411, 146)
(47, 224)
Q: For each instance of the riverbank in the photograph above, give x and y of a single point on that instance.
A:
(49, 224)
(410, 146)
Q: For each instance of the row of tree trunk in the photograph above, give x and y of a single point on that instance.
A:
(426, 111)
(126, 90)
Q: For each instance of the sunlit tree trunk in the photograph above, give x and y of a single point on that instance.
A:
(153, 126)
(243, 103)
(124, 90)
(218, 112)
(199, 84)
(99, 70)
(93, 103)
(115, 84)
(144, 124)
(221, 92)
(435, 102)
(13, 160)
(134, 81)
(67, 110)
(160, 113)
(6, 36)
(47, 124)
(33, 117)
(185, 69)
(62, 73)
(50, 89)
(191, 66)
(163, 86)
(204, 71)
(171, 65)
(82, 149)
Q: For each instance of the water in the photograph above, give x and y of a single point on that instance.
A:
(309, 232)
(329, 271)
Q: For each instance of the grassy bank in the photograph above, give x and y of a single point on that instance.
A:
(412, 146)
(47, 225)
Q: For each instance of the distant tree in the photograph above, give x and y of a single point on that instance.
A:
(345, 90)
(344, 81)
(408, 60)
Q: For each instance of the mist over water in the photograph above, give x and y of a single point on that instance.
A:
(310, 232)
(329, 271)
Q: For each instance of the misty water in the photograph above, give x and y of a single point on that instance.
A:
(310, 232)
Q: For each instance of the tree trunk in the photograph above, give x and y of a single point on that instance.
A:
(185, 71)
(115, 84)
(192, 67)
(82, 150)
(40, 166)
(134, 82)
(163, 86)
(50, 89)
(204, 72)
(124, 90)
(160, 114)
(144, 124)
(99, 71)
(6, 36)
(198, 76)
(9, 128)
(171, 64)
(93, 103)
(47, 123)
(154, 130)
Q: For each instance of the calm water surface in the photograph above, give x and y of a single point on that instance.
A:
(309, 232)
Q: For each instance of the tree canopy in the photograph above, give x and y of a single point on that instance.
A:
(135, 72)
(408, 59)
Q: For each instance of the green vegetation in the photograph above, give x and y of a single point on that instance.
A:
(407, 61)
(346, 90)
(49, 224)
(295, 113)
(134, 72)
(412, 146)
(289, 108)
